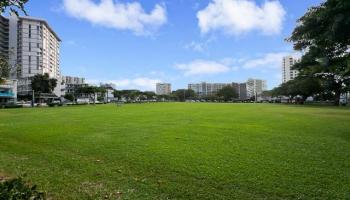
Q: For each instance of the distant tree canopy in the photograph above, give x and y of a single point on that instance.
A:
(13, 5)
(4, 69)
(183, 94)
(91, 91)
(323, 33)
(136, 95)
(303, 87)
(43, 83)
(228, 93)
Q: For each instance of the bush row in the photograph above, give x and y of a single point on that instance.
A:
(17, 188)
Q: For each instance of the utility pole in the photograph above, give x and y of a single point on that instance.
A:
(107, 94)
(256, 96)
(184, 95)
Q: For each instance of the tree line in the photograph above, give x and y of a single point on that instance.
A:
(227, 93)
(323, 36)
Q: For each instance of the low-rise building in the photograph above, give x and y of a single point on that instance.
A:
(69, 84)
(71, 80)
(8, 92)
(109, 95)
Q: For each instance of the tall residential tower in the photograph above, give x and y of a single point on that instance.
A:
(163, 88)
(4, 36)
(255, 87)
(34, 48)
(287, 72)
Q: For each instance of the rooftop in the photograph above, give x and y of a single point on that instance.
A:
(43, 21)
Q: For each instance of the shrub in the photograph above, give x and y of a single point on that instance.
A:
(11, 106)
(69, 97)
(17, 189)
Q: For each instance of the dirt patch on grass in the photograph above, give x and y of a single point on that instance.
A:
(4, 176)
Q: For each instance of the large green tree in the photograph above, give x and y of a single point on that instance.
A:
(302, 86)
(228, 93)
(323, 33)
(43, 83)
(13, 5)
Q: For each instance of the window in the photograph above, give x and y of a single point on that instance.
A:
(29, 64)
(30, 46)
(37, 62)
(30, 31)
(37, 45)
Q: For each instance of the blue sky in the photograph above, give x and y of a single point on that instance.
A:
(135, 44)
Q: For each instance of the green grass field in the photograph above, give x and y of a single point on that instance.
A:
(180, 151)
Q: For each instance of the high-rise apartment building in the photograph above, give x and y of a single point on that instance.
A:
(287, 72)
(4, 36)
(163, 88)
(255, 87)
(242, 91)
(33, 48)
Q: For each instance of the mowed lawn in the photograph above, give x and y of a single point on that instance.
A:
(180, 151)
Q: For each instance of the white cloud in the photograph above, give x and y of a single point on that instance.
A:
(140, 83)
(199, 47)
(235, 17)
(267, 61)
(118, 15)
(202, 67)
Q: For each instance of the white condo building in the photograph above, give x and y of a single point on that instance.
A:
(34, 48)
(255, 87)
(205, 89)
(245, 90)
(287, 72)
(163, 88)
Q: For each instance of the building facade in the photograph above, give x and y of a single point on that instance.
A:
(163, 88)
(69, 84)
(242, 91)
(255, 87)
(70, 80)
(4, 36)
(109, 94)
(34, 48)
(287, 72)
(207, 89)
